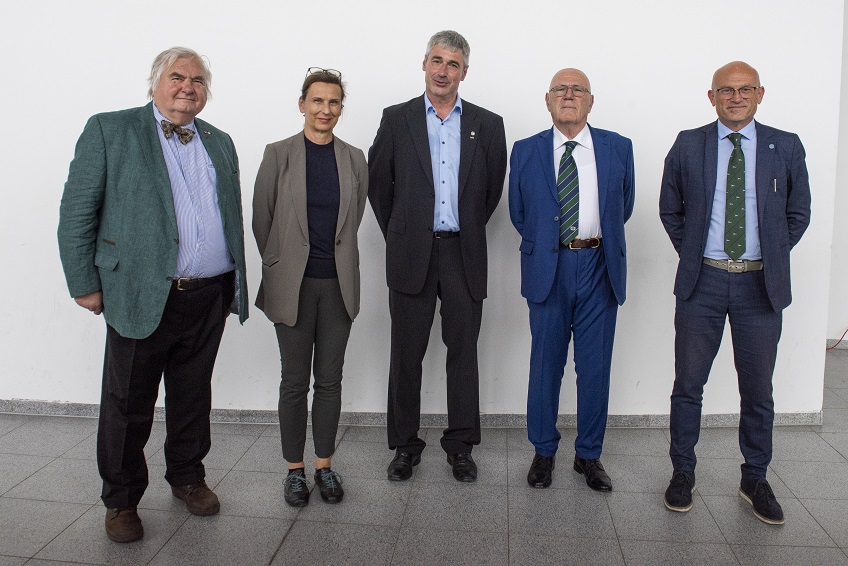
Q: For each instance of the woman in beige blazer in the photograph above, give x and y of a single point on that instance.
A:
(308, 202)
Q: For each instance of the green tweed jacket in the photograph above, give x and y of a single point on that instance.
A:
(117, 225)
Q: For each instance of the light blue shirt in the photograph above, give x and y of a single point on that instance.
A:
(715, 236)
(203, 250)
(444, 136)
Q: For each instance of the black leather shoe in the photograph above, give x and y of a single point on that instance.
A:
(296, 488)
(400, 468)
(541, 472)
(464, 468)
(329, 485)
(596, 477)
(758, 493)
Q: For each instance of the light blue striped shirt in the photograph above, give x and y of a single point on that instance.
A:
(715, 236)
(444, 157)
(203, 248)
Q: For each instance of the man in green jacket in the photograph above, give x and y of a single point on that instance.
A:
(151, 236)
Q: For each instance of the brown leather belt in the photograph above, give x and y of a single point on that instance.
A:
(194, 283)
(578, 244)
(439, 234)
(735, 266)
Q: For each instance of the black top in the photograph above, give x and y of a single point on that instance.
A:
(322, 209)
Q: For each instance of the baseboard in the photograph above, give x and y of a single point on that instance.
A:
(835, 344)
(29, 407)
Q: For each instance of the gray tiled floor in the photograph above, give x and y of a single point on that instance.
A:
(50, 513)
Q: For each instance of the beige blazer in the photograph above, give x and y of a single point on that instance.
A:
(281, 231)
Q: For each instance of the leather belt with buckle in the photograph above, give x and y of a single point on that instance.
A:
(441, 234)
(578, 244)
(735, 266)
(194, 283)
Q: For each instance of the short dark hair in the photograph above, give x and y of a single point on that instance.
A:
(321, 77)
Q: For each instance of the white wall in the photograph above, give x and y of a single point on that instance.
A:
(650, 64)
(838, 319)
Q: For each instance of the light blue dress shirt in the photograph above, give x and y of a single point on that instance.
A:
(203, 250)
(715, 236)
(444, 136)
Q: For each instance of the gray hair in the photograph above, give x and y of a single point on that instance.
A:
(170, 56)
(451, 40)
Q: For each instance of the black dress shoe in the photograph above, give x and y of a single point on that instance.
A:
(296, 488)
(541, 472)
(329, 485)
(464, 468)
(400, 468)
(596, 477)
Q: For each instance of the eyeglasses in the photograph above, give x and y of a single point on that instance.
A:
(577, 91)
(313, 70)
(728, 92)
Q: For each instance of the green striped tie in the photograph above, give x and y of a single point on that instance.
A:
(734, 212)
(568, 190)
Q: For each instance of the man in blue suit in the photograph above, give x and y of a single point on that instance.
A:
(735, 199)
(570, 193)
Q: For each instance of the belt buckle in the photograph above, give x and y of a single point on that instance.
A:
(180, 283)
(736, 266)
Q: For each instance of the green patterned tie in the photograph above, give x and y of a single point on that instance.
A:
(734, 212)
(568, 191)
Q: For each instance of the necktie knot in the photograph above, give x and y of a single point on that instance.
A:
(736, 138)
(569, 147)
(184, 134)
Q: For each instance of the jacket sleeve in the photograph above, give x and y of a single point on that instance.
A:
(79, 212)
(496, 167)
(381, 174)
(798, 199)
(672, 209)
(265, 198)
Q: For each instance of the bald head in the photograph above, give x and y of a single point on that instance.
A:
(569, 100)
(736, 92)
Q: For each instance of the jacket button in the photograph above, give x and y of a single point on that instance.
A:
(555, 250)
(338, 242)
(303, 244)
(556, 217)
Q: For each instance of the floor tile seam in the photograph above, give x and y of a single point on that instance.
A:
(80, 516)
(713, 517)
(240, 458)
(53, 459)
(831, 445)
(6, 496)
(821, 526)
(614, 530)
(93, 433)
(173, 534)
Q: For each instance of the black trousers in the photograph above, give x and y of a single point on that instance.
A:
(183, 347)
(412, 319)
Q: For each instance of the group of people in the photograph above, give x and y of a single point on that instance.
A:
(151, 236)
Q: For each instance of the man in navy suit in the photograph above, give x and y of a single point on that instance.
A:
(735, 199)
(570, 193)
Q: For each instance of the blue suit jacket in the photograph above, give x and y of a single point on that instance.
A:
(534, 208)
(783, 203)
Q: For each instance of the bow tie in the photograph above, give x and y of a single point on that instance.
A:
(184, 134)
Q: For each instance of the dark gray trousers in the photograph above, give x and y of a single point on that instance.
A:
(320, 335)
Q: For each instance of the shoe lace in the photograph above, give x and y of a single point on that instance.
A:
(680, 482)
(296, 482)
(764, 490)
(330, 479)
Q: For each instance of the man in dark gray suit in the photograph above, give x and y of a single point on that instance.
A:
(735, 199)
(436, 174)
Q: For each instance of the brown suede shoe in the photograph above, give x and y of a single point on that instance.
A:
(123, 525)
(199, 499)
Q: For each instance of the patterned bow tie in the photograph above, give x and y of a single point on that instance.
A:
(184, 134)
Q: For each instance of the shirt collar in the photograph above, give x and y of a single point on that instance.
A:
(749, 132)
(583, 138)
(428, 106)
(159, 117)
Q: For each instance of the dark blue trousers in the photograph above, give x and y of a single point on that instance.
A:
(755, 330)
(581, 303)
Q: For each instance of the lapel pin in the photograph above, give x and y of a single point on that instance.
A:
(207, 133)
(473, 133)
(771, 146)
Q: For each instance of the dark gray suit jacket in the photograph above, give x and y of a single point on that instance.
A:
(402, 193)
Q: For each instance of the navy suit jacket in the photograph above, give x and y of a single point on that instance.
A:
(534, 208)
(783, 203)
(402, 194)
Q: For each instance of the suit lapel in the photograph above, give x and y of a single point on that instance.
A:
(545, 149)
(416, 119)
(601, 148)
(151, 149)
(469, 131)
(345, 181)
(710, 164)
(297, 183)
(764, 168)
